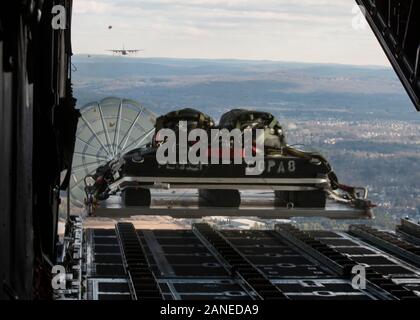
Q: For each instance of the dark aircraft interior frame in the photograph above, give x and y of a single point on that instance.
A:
(396, 24)
(38, 121)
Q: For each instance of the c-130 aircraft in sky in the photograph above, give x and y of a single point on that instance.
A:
(125, 52)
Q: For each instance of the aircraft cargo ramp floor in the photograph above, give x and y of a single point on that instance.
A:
(284, 263)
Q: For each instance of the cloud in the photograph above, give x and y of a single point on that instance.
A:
(92, 7)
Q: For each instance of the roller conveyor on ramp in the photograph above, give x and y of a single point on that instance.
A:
(141, 279)
(208, 263)
(389, 242)
(238, 264)
(343, 264)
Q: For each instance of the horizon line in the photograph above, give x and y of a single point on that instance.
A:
(388, 66)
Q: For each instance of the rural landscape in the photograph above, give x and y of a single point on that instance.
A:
(359, 117)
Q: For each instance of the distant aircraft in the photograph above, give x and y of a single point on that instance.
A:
(124, 52)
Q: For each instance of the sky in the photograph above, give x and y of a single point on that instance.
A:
(318, 31)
